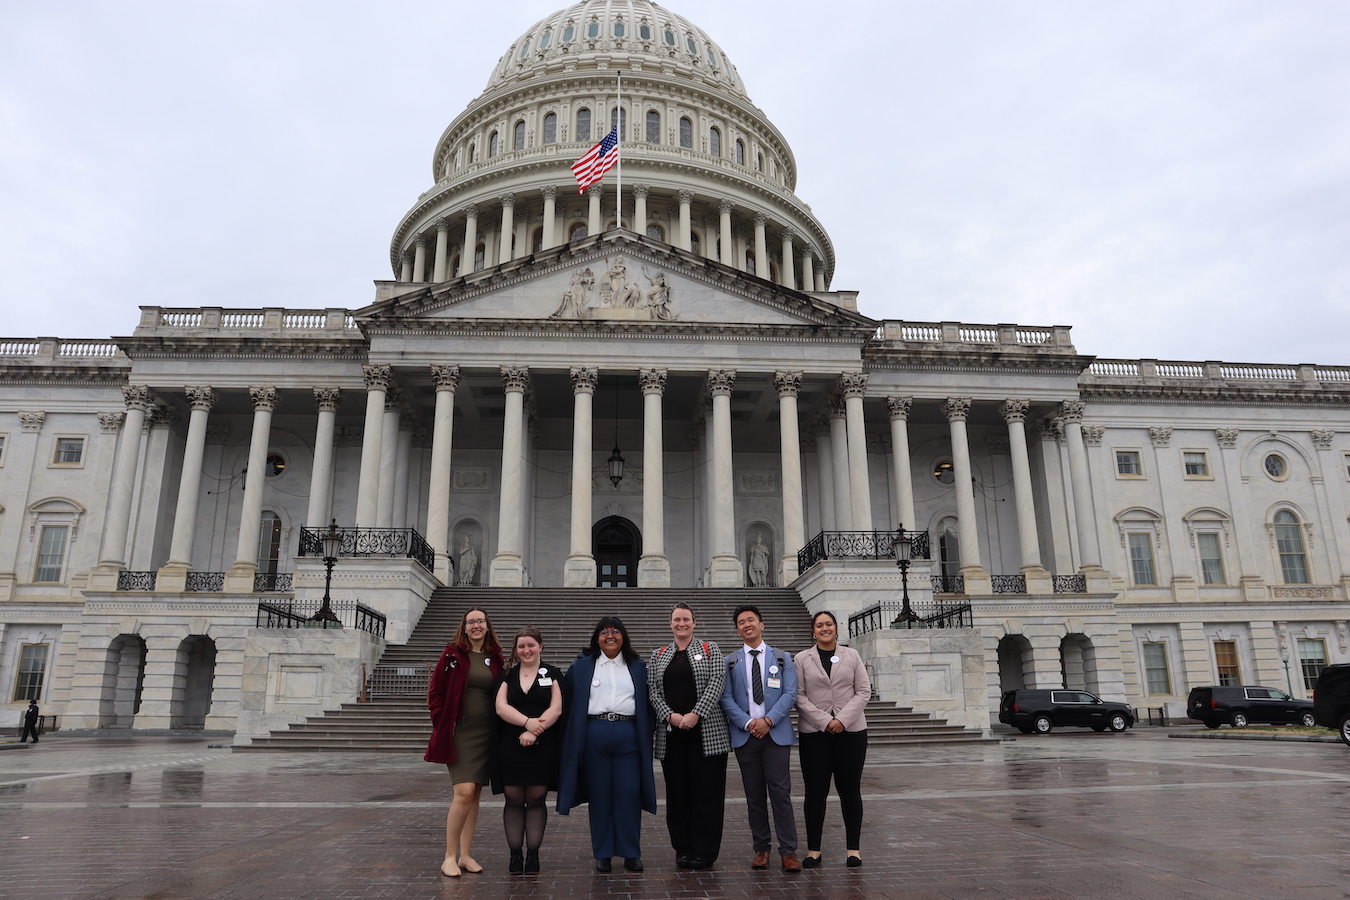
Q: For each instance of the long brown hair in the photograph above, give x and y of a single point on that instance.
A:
(528, 631)
(490, 643)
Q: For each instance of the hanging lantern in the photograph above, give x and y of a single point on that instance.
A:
(616, 465)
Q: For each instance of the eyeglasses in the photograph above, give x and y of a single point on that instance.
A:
(613, 631)
(475, 621)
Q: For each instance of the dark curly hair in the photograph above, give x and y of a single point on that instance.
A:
(594, 651)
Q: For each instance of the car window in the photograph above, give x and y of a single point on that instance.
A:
(1278, 695)
(1065, 697)
(1088, 698)
(1258, 694)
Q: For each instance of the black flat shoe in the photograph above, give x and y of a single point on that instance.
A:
(701, 862)
(531, 862)
(604, 865)
(682, 862)
(811, 862)
(633, 864)
(517, 864)
(855, 862)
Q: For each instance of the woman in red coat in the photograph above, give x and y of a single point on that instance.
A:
(460, 697)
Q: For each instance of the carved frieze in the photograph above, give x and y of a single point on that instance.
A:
(617, 297)
(472, 480)
(757, 482)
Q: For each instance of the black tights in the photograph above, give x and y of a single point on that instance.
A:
(525, 815)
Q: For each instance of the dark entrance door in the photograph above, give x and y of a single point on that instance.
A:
(618, 545)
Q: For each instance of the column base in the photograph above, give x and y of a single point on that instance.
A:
(1184, 589)
(977, 580)
(239, 578)
(508, 570)
(1098, 580)
(726, 572)
(579, 571)
(1253, 588)
(654, 571)
(445, 574)
(103, 577)
(788, 570)
(171, 578)
(1039, 580)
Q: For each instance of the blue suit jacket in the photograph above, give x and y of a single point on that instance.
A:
(577, 697)
(778, 701)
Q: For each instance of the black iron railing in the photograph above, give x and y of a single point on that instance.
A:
(272, 583)
(351, 614)
(205, 581)
(856, 545)
(930, 615)
(372, 542)
(398, 681)
(135, 581)
(949, 584)
(1009, 584)
(1070, 584)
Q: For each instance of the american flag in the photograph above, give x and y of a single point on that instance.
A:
(597, 161)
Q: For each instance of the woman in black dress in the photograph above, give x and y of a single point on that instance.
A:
(529, 704)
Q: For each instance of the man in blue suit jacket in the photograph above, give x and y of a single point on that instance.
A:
(760, 691)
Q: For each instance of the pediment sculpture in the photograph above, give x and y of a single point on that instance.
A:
(617, 297)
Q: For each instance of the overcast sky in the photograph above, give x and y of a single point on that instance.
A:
(1171, 179)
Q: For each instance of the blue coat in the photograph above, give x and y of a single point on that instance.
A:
(577, 699)
(778, 701)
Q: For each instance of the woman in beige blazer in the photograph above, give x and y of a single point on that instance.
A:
(832, 690)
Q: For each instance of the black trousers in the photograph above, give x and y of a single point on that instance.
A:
(696, 789)
(841, 757)
(27, 730)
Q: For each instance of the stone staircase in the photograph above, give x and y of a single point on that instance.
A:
(399, 723)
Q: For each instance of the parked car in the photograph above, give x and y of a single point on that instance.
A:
(1331, 699)
(1242, 705)
(1042, 711)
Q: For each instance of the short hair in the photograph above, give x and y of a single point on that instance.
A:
(680, 604)
(594, 651)
(745, 608)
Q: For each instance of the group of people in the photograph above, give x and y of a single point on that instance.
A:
(591, 733)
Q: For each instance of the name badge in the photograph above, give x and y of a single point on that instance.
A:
(834, 659)
(595, 682)
(775, 682)
(546, 682)
(698, 657)
(543, 670)
(773, 670)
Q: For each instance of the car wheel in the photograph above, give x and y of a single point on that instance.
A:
(1308, 720)
(1211, 723)
(1118, 722)
(1345, 729)
(1239, 720)
(1042, 724)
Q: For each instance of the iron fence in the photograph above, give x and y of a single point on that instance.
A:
(857, 545)
(949, 584)
(1009, 584)
(886, 614)
(398, 681)
(350, 613)
(136, 581)
(1071, 584)
(205, 581)
(273, 583)
(372, 542)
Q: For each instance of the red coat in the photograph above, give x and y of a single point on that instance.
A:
(445, 699)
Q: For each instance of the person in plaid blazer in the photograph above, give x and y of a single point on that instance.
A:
(685, 683)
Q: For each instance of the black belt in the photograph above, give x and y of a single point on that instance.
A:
(612, 717)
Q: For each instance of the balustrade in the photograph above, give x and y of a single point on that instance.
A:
(350, 614)
(372, 542)
(930, 615)
(857, 545)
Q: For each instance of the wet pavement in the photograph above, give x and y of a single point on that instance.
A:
(1063, 815)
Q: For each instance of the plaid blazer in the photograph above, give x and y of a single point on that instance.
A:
(710, 675)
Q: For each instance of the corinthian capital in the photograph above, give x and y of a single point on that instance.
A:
(446, 377)
(328, 398)
(137, 396)
(1093, 434)
(725, 206)
(898, 407)
(1227, 437)
(264, 398)
(377, 377)
(550, 192)
(721, 381)
(200, 396)
(32, 421)
(1014, 410)
(108, 423)
(788, 384)
(515, 378)
(653, 381)
(584, 380)
(1072, 410)
(641, 190)
(853, 384)
(685, 197)
(508, 199)
(956, 409)
(393, 398)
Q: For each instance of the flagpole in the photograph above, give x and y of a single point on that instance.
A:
(618, 148)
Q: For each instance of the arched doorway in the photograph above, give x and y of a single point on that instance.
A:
(1078, 663)
(1014, 663)
(123, 680)
(618, 546)
(195, 671)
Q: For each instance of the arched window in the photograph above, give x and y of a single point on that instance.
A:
(550, 128)
(759, 162)
(618, 29)
(740, 152)
(653, 127)
(694, 242)
(750, 263)
(479, 257)
(949, 548)
(537, 240)
(656, 232)
(686, 132)
(593, 30)
(473, 153)
(715, 141)
(578, 232)
(519, 143)
(693, 47)
(618, 118)
(568, 33)
(645, 32)
(670, 37)
(545, 40)
(269, 543)
(492, 146)
(583, 124)
(454, 266)
(1289, 541)
(525, 49)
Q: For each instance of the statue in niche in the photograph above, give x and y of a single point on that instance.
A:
(658, 298)
(759, 561)
(577, 296)
(620, 292)
(467, 566)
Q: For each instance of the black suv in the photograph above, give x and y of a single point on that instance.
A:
(1241, 705)
(1040, 711)
(1331, 699)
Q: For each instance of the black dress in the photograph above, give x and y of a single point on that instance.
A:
(536, 764)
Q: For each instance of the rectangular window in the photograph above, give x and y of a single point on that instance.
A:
(1141, 559)
(69, 451)
(1312, 657)
(32, 669)
(2, 448)
(1127, 463)
(1197, 466)
(51, 553)
(1155, 668)
(1226, 663)
(1211, 558)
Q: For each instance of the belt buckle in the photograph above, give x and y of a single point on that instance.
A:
(612, 717)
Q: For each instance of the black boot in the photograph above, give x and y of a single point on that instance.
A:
(517, 864)
(531, 862)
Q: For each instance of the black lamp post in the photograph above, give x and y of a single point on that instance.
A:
(904, 546)
(332, 546)
(616, 460)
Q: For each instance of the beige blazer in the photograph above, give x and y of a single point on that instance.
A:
(840, 695)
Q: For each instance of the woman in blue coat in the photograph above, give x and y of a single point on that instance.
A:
(607, 748)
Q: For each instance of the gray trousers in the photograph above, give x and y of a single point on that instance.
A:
(766, 770)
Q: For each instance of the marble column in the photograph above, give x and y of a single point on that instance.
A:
(761, 248)
(438, 490)
(640, 221)
(579, 568)
(405, 269)
(508, 566)
(466, 257)
(402, 466)
(239, 577)
(820, 278)
(686, 198)
(172, 577)
(843, 482)
(549, 238)
(808, 271)
(726, 569)
(384, 504)
(853, 385)
(1089, 552)
(420, 260)
(442, 249)
(1038, 579)
(788, 384)
(653, 567)
(508, 202)
(899, 407)
(321, 479)
(728, 254)
(787, 274)
(378, 379)
(825, 473)
(967, 531)
(593, 224)
(118, 519)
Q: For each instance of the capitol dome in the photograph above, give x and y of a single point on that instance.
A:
(703, 168)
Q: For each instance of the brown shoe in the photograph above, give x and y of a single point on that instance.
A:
(761, 860)
(791, 863)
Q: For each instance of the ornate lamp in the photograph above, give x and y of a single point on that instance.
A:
(332, 546)
(904, 546)
(616, 460)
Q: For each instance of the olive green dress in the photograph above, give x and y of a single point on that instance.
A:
(474, 728)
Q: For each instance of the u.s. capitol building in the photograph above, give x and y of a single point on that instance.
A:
(541, 395)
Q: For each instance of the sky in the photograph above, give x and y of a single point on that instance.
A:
(1172, 179)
